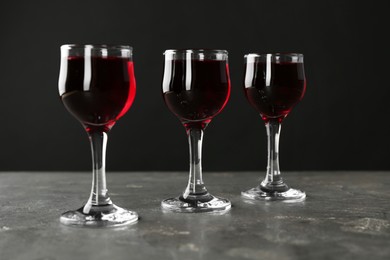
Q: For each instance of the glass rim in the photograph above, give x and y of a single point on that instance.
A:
(96, 46)
(195, 51)
(275, 54)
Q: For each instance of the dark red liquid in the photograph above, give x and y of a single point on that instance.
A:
(97, 93)
(196, 92)
(275, 90)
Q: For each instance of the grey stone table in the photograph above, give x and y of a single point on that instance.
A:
(346, 216)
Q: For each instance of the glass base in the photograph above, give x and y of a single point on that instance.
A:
(196, 204)
(290, 195)
(99, 216)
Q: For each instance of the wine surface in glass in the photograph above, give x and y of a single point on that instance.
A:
(98, 90)
(273, 89)
(196, 91)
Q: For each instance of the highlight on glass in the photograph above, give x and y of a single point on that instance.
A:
(97, 86)
(195, 88)
(273, 85)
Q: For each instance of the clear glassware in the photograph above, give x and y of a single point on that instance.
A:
(196, 87)
(97, 86)
(274, 84)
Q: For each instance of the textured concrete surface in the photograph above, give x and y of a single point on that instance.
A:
(346, 216)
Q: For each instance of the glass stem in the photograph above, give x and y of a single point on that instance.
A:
(99, 193)
(273, 180)
(195, 185)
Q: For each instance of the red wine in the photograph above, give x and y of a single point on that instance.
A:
(196, 90)
(273, 89)
(99, 90)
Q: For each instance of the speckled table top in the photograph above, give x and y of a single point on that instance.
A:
(346, 216)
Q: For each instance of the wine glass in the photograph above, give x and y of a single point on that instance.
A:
(196, 87)
(97, 86)
(274, 84)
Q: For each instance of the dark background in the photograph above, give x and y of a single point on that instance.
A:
(341, 124)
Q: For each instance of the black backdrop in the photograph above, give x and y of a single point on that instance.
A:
(341, 124)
